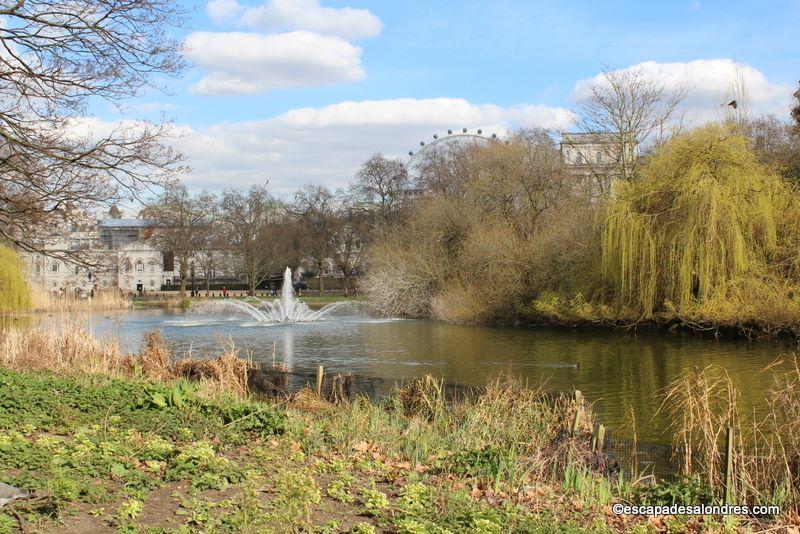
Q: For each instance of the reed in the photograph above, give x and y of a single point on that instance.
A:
(110, 299)
(72, 351)
(766, 457)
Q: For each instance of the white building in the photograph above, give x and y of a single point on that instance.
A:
(597, 157)
(104, 253)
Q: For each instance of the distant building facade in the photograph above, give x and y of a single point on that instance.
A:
(119, 250)
(598, 158)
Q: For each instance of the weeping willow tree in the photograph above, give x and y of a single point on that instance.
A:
(703, 217)
(14, 293)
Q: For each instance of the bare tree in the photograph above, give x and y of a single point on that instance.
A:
(381, 183)
(253, 225)
(349, 233)
(182, 225)
(736, 101)
(215, 249)
(55, 56)
(796, 110)
(633, 111)
(776, 143)
(446, 169)
(518, 181)
(313, 207)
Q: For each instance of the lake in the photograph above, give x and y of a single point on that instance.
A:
(618, 370)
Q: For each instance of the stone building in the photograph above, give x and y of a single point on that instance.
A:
(117, 253)
(597, 157)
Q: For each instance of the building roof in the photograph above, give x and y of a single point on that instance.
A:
(588, 138)
(126, 223)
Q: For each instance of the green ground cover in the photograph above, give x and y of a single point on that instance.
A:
(105, 455)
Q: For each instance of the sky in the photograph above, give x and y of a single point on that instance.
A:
(289, 92)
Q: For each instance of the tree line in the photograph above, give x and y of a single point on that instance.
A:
(255, 234)
(697, 226)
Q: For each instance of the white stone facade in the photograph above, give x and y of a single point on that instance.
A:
(119, 251)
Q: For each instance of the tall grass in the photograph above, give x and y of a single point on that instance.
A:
(72, 350)
(504, 434)
(105, 299)
(766, 454)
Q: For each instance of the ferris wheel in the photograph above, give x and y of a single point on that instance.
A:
(451, 138)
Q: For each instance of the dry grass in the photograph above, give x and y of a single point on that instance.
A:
(766, 455)
(42, 300)
(702, 405)
(228, 373)
(74, 351)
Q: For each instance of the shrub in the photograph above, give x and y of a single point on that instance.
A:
(686, 490)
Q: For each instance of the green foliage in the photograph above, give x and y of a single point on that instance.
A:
(704, 214)
(81, 401)
(14, 291)
(246, 417)
(296, 493)
(375, 502)
(588, 486)
(339, 488)
(362, 528)
(77, 438)
(180, 392)
(199, 463)
(486, 463)
(686, 490)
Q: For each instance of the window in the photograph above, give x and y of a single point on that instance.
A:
(77, 270)
(168, 282)
(54, 266)
(598, 157)
(579, 159)
(169, 261)
(139, 266)
(152, 266)
(152, 283)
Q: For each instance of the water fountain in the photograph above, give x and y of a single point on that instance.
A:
(286, 309)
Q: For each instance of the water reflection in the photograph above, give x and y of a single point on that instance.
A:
(620, 371)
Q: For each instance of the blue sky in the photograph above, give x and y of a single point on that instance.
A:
(296, 91)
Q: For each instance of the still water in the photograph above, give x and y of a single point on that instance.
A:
(618, 370)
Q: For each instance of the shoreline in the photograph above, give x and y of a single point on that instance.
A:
(153, 454)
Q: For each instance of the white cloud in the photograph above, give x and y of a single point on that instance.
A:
(709, 83)
(221, 11)
(326, 145)
(281, 15)
(314, 48)
(250, 63)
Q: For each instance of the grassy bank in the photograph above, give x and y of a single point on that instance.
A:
(109, 442)
(104, 454)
